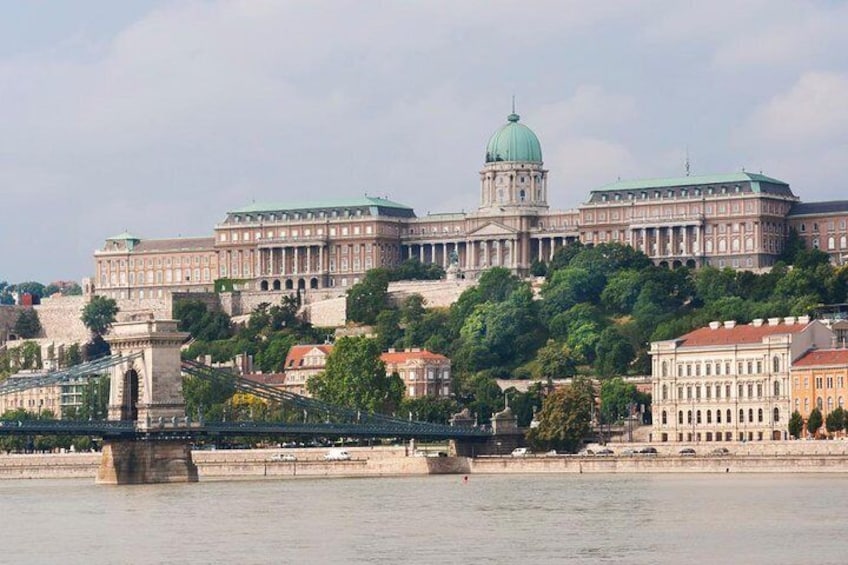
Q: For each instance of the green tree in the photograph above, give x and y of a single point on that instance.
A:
(538, 268)
(368, 297)
(554, 361)
(196, 318)
(428, 409)
(814, 421)
(271, 354)
(616, 398)
(414, 270)
(99, 315)
(613, 353)
(565, 418)
(835, 421)
(36, 289)
(355, 377)
(796, 424)
(388, 328)
(206, 398)
(28, 325)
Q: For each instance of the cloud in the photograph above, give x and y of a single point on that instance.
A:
(814, 110)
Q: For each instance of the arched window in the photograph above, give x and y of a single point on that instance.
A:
(776, 414)
(709, 416)
(819, 403)
(718, 416)
(777, 388)
(741, 416)
(664, 417)
(760, 415)
(728, 416)
(698, 417)
(665, 368)
(680, 417)
(689, 417)
(829, 403)
(775, 364)
(750, 415)
(665, 392)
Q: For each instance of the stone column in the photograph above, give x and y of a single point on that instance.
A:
(685, 240)
(296, 261)
(284, 266)
(308, 259)
(321, 268)
(421, 252)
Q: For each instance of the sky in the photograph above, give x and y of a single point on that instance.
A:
(159, 117)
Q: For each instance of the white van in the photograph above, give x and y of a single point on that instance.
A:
(337, 455)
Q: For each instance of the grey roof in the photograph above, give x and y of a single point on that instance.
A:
(811, 208)
(175, 244)
(318, 205)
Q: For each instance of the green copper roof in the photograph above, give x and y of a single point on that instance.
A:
(690, 181)
(122, 237)
(318, 205)
(514, 142)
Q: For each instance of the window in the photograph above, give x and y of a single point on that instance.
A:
(665, 392)
(709, 416)
(775, 362)
(680, 417)
(776, 414)
(760, 415)
(664, 417)
(777, 388)
(728, 416)
(718, 416)
(698, 416)
(741, 416)
(689, 417)
(750, 415)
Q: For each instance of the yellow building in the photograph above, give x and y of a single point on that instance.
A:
(820, 380)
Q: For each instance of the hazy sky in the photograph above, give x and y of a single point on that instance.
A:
(158, 117)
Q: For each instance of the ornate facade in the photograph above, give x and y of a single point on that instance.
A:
(740, 220)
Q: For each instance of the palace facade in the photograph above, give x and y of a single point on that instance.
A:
(739, 220)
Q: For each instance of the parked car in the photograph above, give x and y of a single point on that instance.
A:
(287, 457)
(687, 451)
(605, 451)
(585, 452)
(337, 455)
(628, 451)
(520, 452)
(648, 450)
(720, 451)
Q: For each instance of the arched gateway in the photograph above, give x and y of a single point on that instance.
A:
(147, 389)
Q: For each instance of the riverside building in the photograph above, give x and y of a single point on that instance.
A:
(738, 220)
(729, 381)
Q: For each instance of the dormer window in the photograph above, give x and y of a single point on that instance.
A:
(670, 194)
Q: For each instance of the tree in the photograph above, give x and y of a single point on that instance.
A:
(814, 421)
(565, 418)
(554, 361)
(73, 356)
(796, 424)
(835, 421)
(428, 409)
(99, 315)
(613, 353)
(368, 297)
(616, 398)
(28, 325)
(355, 377)
(206, 397)
(196, 318)
(272, 352)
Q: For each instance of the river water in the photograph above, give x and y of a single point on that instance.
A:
(492, 519)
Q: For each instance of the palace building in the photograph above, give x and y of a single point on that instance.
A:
(739, 220)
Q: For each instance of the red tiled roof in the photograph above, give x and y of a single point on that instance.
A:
(739, 334)
(404, 356)
(298, 352)
(822, 358)
(266, 378)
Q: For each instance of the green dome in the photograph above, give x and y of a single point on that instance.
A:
(514, 142)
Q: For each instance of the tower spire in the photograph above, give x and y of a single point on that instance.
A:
(686, 164)
(513, 103)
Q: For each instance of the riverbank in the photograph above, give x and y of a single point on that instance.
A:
(393, 461)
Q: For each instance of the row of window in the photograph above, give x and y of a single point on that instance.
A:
(308, 215)
(747, 367)
(115, 265)
(718, 416)
(709, 390)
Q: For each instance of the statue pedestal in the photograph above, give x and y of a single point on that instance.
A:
(142, 462)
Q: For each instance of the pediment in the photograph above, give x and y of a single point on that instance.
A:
(493, 229)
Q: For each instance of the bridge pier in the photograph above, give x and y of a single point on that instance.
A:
(144, 461)
(149, 392)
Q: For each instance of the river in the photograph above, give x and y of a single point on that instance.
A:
(492, 519)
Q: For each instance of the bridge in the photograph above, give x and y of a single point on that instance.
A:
(147, 434)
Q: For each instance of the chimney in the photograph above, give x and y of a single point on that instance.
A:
(789, 320)
(773, 321)
(757, 322)
(803, 320)
(730, 324)
(715, 325)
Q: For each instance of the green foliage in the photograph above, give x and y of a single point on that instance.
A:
(228, 285)
(194, 317)
(36, 289)
(271, 354)
(565, 418)
(554, 361)
(28, 325)
(94, 404)
(538, 268)
(796, 424)
(205, 398)
(613, 353)
(367, 298)
(616, 398)
(835, 421)
(96, 348)
(481, 394)
(814, 421)
(525, 404)
(99, 315)
(414, 270)
(355, 377)
(428, 409)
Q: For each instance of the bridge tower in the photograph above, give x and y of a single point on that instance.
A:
(148, 390)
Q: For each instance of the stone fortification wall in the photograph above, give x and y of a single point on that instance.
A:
(210, 299)
(437, 294)
(8, 317)
(329, 313)
(60, 320)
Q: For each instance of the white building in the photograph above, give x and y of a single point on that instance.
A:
(730, 381)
